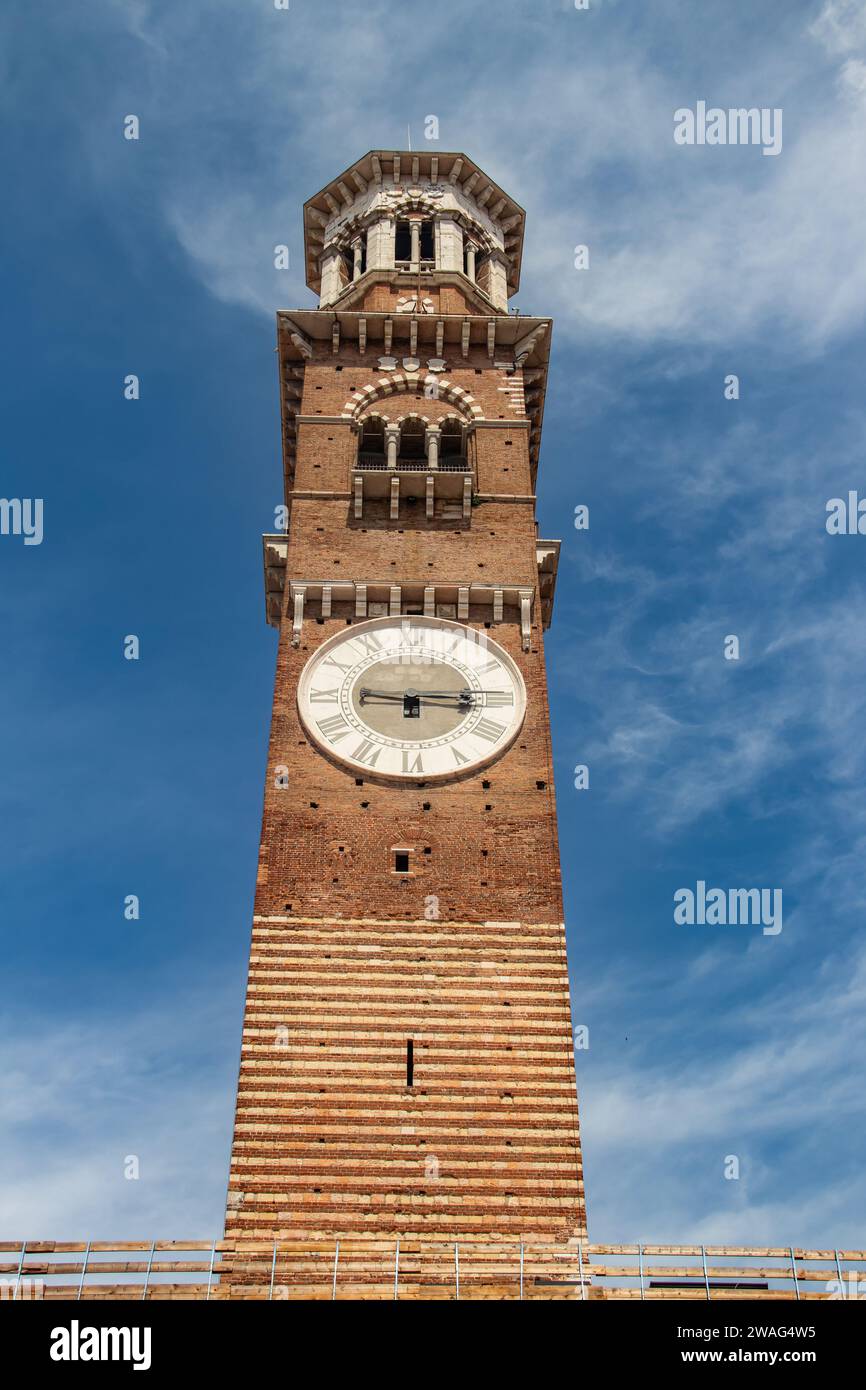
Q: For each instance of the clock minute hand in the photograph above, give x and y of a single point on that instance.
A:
(365, 694)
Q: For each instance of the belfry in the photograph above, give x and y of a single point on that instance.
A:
(407, 1069)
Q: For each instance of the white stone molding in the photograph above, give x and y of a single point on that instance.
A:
(525, 618)
(298, 595)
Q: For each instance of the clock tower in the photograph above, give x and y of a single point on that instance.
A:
(407, 1069)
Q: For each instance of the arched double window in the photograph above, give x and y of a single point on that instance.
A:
(425, 255)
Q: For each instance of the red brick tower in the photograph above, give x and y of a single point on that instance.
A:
(407, 1067)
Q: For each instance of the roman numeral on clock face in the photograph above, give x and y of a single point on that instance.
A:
(334, 728)
(416, 766)
(488, 729)
(367, 753)
(369, 641)
(495, 698)
(324, 697)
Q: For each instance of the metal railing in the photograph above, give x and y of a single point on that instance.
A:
(452, 463)
(390, 1268)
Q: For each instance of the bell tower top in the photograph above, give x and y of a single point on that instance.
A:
(405, 225)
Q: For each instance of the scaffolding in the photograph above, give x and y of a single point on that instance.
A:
(418, 1269)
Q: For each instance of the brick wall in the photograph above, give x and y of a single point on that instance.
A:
(465, 956)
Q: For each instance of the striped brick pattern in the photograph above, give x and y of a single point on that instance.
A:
(330, 1140)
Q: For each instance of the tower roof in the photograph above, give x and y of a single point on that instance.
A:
(423, 178)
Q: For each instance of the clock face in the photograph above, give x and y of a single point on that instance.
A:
(420, 699)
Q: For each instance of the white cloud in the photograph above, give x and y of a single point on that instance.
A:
(841, 26)
(713, 245)
(77, 1098)
(778, 1081)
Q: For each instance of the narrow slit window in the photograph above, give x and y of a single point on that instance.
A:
(410, 1062)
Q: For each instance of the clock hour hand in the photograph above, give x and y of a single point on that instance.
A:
(441, 694)
(364, 694)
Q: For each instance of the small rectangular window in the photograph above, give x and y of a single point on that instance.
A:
(401, 861)
(410, 1062)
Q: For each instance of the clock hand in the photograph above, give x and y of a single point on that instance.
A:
(365, 694)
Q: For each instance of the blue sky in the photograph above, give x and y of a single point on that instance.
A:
(706, 519)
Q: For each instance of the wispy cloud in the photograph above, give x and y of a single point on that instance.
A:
(700, 243)
(665, 1117)
(79, 1098)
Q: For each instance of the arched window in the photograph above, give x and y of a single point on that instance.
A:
(426, 245)
(451, 442)
(371, 446)
(402, 244)
(412, 434)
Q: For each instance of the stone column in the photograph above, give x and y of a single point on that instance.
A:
(431, 440)
(357, 253)
(415, 233)
(498, 281)
(470, 261)
(450, 239)
(380, 245)
(332, 280)
(392, 441)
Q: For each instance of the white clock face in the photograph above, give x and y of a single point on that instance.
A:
(412, 698)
